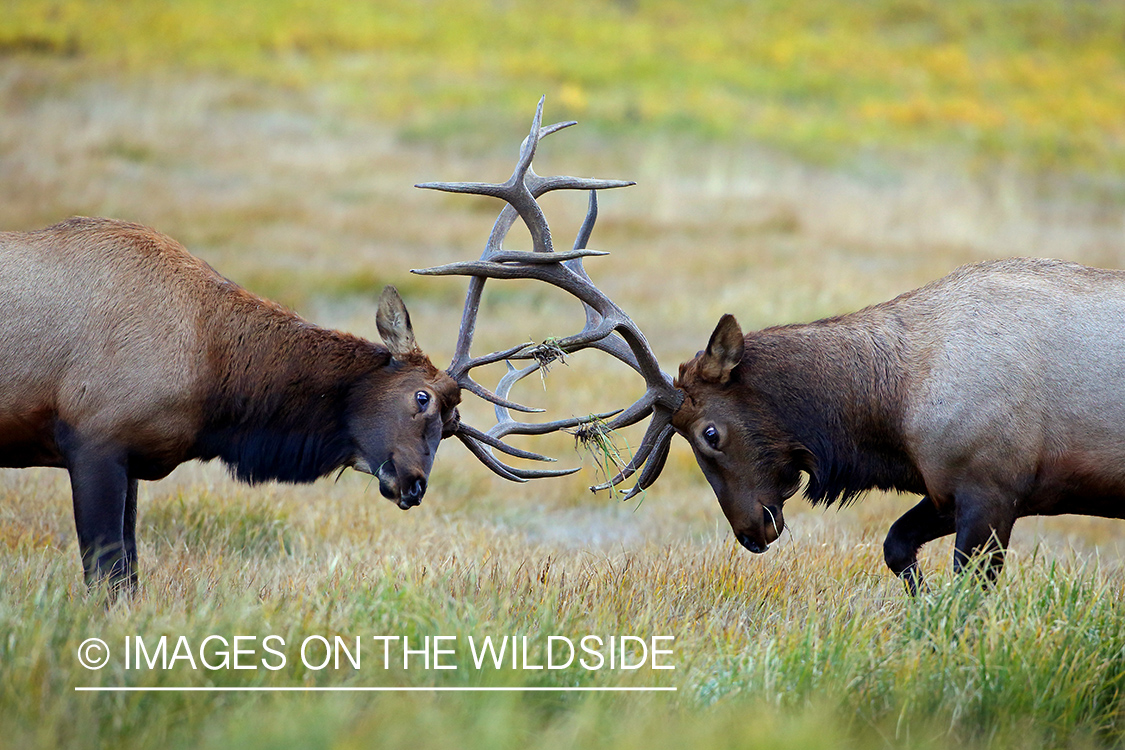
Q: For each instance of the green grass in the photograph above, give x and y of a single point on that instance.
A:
(1038, 81)
(804, 652)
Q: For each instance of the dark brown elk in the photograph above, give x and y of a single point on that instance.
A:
(996, 392)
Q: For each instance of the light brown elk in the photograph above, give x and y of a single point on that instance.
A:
(996, 392)
(123, 356)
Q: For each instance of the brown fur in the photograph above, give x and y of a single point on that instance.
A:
(124, 355)
(997, 392)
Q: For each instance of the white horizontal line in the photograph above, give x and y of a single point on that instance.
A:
(221, 689)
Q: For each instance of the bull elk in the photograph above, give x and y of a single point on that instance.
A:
(123, 356)
(996, 392)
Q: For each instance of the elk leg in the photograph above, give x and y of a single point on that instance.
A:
(921, 524)
(100, 485)
(983, 529)
(129, 534)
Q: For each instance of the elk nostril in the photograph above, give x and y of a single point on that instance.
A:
(750, 544)
(412, 497)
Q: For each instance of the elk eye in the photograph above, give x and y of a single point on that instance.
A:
(711, 435)
(423, 399)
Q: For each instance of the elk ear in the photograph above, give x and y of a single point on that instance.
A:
(393, 322)
(724, 350)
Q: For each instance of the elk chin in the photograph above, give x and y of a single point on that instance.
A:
(387, 476)
(388, 482)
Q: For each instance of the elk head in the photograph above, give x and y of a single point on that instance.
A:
(747, 463)
(398, 421)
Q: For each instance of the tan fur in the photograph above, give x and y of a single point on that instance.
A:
(1020, 365)
(102, 328)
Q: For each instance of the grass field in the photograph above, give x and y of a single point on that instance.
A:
(793, 160)
(1041, 81)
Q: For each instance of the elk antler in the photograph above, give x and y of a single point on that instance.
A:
(607, 327)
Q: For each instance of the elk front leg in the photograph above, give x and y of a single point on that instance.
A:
(129, 534)
(921, 524)
(984, 526)
(101, 491)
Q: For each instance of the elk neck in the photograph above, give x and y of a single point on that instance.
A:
(836, 389)
(278, 391)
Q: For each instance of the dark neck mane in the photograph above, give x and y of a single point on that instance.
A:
(281, 388)
(835, 387)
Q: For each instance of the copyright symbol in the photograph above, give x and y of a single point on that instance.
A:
(93, 653)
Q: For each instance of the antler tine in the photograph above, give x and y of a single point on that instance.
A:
(653, 466)
(462, 362)
(515, 189)
(593, 317)
(607, 327)
(520, 191)
(604, 318)
(507, 426)
(654, 445)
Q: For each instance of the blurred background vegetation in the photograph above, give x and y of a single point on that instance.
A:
(1038, 81)
(793, 159)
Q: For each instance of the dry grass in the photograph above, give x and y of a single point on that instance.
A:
(817, 638)
(810, 645)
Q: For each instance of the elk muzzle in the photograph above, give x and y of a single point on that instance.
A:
(405, 492)
(413, 494)
(758, 537)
